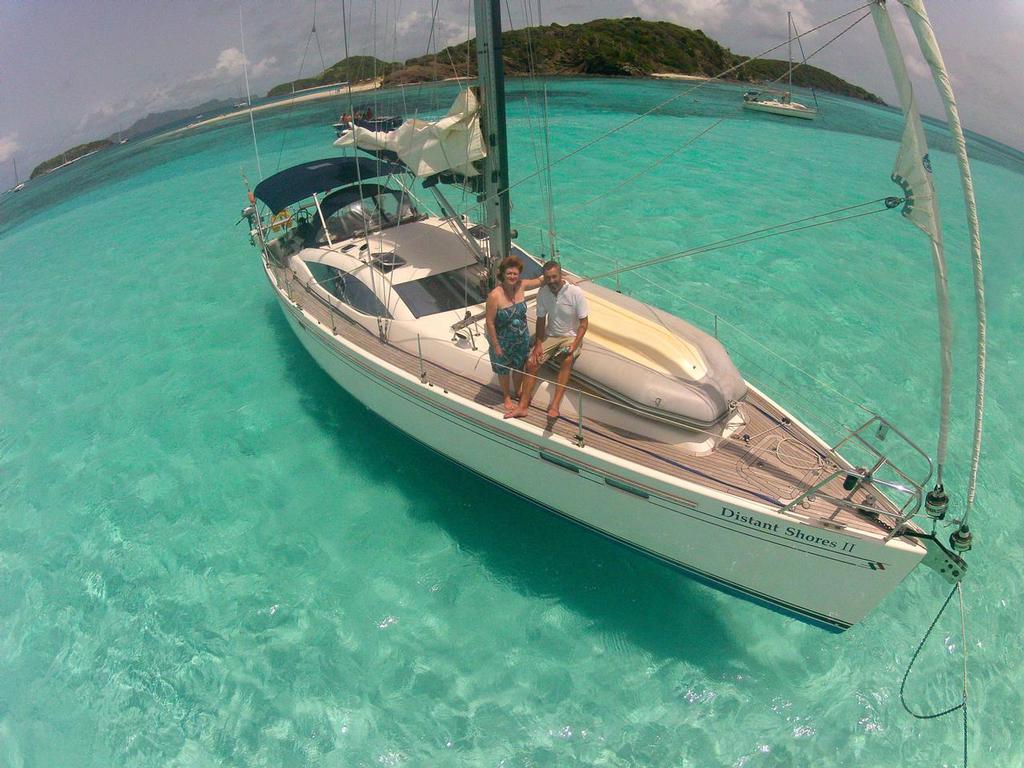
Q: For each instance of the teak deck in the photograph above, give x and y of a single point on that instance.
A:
(753, 468)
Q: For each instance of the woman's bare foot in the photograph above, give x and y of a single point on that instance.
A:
(518, 413)
(553, 413)
(509, 405)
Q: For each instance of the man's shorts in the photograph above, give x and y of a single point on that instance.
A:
(555, 348)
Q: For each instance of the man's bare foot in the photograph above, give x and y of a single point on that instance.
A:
(553, 413)
(509, 405)
(518, 413)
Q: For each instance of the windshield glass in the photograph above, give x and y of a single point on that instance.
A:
(379, 208)
(445, 291)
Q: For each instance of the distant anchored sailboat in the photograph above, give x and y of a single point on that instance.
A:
(18, 185)
(778, 102)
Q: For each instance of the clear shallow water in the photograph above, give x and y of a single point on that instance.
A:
(211, 555)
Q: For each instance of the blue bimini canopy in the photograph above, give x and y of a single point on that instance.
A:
(297, 183)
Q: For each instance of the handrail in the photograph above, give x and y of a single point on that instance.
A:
(915, 496)
(856, 477)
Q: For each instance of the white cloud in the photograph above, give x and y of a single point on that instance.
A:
(222, 80)
(413, 32)
(9, 147)
(231, 64)
(410, 22)
(767, 17)
(917, 67)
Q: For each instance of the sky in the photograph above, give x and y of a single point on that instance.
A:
(72, 72)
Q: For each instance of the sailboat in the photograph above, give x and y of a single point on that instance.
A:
(18, 185)
(780, 102)
(661, 444)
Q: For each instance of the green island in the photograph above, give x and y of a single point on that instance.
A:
(629, 47)
(69, 156)
(354, 69)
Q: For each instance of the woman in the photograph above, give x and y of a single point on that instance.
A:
(507, 331)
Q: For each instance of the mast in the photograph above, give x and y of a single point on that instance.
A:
(492, 97)
(789, 47)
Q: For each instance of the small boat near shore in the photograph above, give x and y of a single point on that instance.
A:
(374, 124)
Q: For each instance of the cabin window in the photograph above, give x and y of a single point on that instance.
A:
(443, 292)
(348, 288)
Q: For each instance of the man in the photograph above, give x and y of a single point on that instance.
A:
(562, 318)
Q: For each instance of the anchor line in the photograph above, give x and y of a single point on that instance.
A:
(957, 589)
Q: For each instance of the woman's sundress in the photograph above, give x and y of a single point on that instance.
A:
(514, 338)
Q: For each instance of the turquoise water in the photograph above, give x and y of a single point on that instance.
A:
(211, 555)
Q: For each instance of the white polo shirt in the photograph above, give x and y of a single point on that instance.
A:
(564, 311)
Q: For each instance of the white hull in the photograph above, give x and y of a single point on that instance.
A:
(829, 578)
(779, 108)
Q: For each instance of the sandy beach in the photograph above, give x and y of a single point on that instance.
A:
(675, 76)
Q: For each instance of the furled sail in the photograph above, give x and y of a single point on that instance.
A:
(929, 47)
(913, 173)
(451, 144)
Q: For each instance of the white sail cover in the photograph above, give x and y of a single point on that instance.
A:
(913, 169)
(452, 143)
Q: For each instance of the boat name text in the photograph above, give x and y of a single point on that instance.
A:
(791, 531)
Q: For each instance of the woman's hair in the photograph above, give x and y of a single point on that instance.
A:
(509, 261)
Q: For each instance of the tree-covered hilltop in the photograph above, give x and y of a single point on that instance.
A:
(628, 47)
(352, 70)
(66, 157)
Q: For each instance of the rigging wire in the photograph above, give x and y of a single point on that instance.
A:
(302, 65)
(755, 235)
(542, 158)
(248, 92)
(797, 225)
(828, 42)
(646, 169)
(552, 235)
(803, 57)
(661, 105)
(313, 34)
(359, 175)
(654, 165)
(794, 391)
(323, 64)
